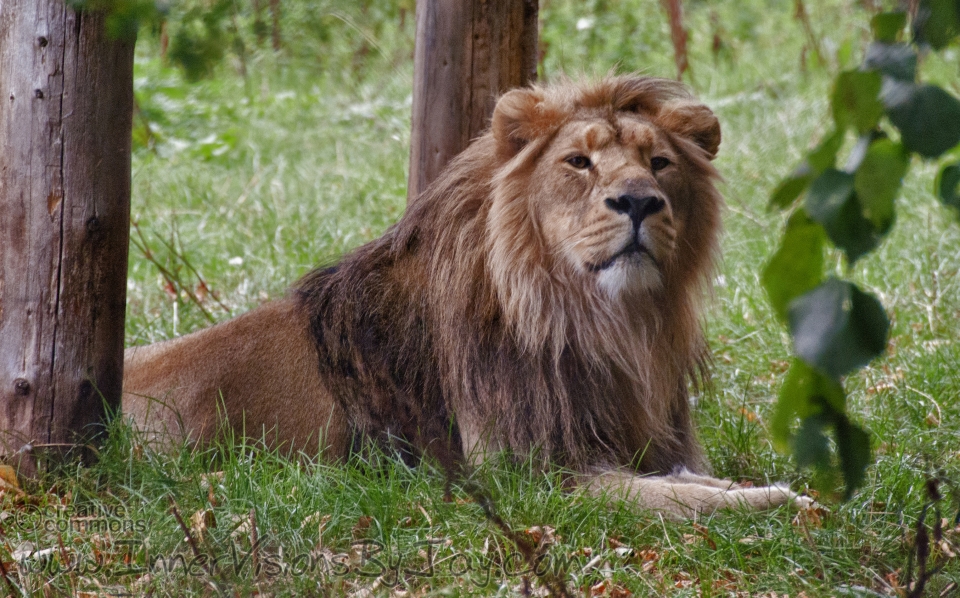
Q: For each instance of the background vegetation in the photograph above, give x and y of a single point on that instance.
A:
(282, 159)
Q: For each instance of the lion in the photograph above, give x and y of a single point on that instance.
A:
(541, 297)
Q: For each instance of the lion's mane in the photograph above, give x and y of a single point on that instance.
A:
(461, 318)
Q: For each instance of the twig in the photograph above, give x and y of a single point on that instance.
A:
(551, 580)
(254, 541)
(922, 544)
(922, 549)
(63, 550)
(801, 15)
(455, 469)
(172, 279)
(189, 536)
(183, 258)
(425, 514)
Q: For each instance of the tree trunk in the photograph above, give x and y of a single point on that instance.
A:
(66, 91)
(467, 53)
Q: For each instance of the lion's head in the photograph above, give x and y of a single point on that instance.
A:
(610, 182)
(543, 291)
(603, 195)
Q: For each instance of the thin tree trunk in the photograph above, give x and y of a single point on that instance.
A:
(467, 53)
(275, 27)
(67, 101)
(678, 35)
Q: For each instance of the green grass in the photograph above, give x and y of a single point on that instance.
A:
(252, 182)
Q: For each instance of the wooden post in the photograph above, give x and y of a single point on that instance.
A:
(66, 104)
(467, 53)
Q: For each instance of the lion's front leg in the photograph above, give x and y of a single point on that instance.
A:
(685, 495)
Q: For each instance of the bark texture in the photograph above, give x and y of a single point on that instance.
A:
(66, 101)
(467, 53)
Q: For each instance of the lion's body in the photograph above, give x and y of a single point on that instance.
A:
(540, 297)
(239, 372)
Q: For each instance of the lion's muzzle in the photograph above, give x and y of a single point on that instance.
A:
(638, 207)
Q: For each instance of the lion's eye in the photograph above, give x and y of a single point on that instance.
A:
(579, 161)
(659, 163)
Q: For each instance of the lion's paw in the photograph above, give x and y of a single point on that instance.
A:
(781, 494)
(803, 502)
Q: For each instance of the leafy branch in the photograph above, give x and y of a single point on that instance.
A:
(202, 31)
(836, 327)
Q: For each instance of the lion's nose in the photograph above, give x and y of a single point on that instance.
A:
(637, 208)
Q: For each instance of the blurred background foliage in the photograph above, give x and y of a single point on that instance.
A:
(347, 44)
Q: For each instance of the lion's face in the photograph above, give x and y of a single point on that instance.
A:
(611, 182)
(607, 208)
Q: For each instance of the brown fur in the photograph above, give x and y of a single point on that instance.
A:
(499, 313)
(237, 372)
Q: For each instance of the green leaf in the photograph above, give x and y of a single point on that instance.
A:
(838, 328)
(927, 116)
(804, 393)
(887, 26)
(877, 181)
(791, 187)
(797, 266)
(937, 22)
(948, 185)
(856, 100)
(853, 447)
(832, 202)
(820, 158)
(845, 53)
(894, 60)
(810, 446)
(824, 156)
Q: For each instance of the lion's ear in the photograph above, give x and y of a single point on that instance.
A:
(693, 121)
(520, 117)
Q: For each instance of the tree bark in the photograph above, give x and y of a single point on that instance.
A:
(66, 104)
(467, 53)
